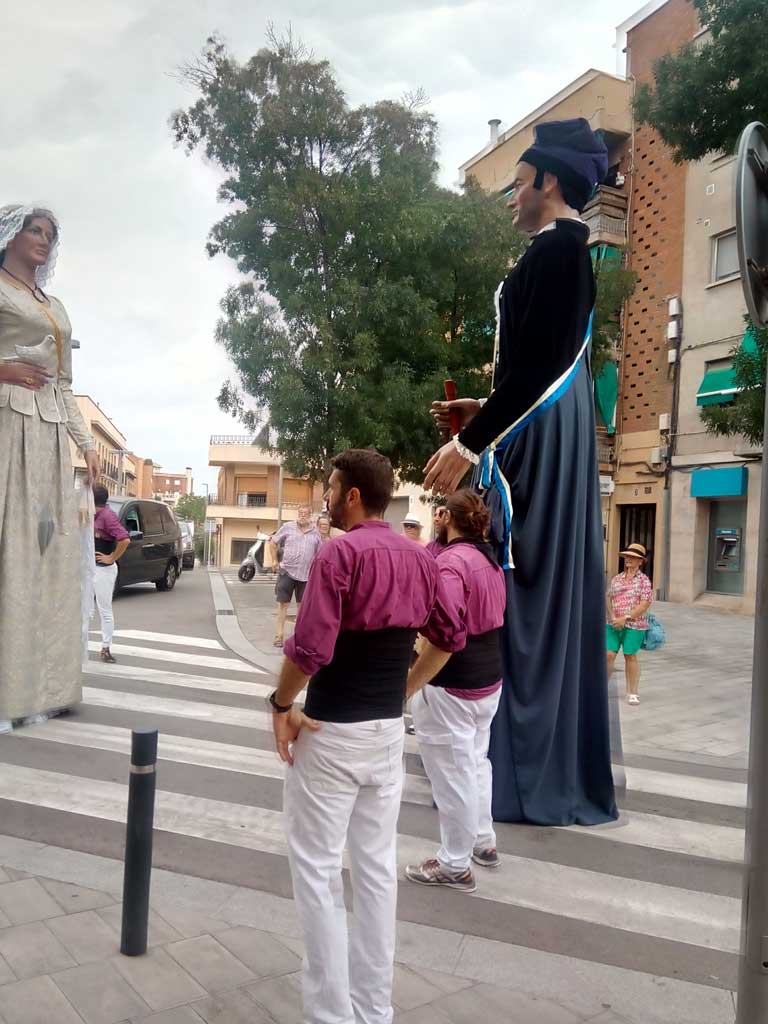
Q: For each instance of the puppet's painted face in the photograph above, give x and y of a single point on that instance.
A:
(524, 200)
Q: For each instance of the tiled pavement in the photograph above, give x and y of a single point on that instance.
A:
(60, 962)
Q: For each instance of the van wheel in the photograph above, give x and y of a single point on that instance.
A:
(168, 582)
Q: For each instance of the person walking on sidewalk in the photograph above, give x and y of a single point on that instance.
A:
(111, 539)
(629, 597)
(369, 592)
(300, 542)
(453, 714)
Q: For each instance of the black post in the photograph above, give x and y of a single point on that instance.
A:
(138, 842)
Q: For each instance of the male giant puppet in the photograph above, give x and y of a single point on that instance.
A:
(533, 446)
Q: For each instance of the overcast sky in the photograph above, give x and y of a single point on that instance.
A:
(87, 90)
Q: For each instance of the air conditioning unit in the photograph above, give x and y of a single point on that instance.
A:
(655, 456)
(664, 421)
(673, 330)
(675, 307)
(672, 356)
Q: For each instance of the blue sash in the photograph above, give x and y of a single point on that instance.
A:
(489, 477)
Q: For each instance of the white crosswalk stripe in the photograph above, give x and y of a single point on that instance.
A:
(217, 728)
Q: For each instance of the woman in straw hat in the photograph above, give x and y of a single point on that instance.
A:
(629, 598)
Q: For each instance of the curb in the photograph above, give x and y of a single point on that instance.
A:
(228, 627)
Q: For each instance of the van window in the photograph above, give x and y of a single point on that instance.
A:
(169, 523)
(153, 524)
(132, 522)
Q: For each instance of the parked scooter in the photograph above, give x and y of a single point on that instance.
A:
(254, 561)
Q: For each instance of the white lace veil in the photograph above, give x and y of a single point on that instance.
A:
(11, 222)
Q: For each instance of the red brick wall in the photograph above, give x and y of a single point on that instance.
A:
(655, 233)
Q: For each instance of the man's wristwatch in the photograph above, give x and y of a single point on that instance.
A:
(281, 709)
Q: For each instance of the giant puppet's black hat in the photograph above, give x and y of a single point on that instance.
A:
(571, 151)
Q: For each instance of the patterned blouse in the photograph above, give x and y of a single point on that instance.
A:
(626, 592)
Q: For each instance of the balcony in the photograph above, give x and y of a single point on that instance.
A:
(239, 449)
(606, 454)
(223, 508)
(606, 217)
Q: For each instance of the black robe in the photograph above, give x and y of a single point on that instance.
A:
(550, 739)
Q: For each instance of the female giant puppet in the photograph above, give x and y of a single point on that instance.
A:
(533, 445)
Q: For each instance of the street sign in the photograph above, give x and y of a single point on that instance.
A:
(210, 526)
(752, 218)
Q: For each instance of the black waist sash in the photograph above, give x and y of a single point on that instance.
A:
(104, 546)
(365, 679)
(477, 666)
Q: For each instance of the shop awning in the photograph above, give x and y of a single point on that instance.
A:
(606, 392)
(719, 386)
(724, 482)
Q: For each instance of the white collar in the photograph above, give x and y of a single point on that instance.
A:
(553, 224)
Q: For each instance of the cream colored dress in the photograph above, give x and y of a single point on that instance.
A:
(40, 611)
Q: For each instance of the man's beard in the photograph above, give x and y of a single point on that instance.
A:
(334, 514)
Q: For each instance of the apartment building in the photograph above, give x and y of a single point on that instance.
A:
(170, 487)
(254, 494)
(121, 470)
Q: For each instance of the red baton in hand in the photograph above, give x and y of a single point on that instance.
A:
(449, 387)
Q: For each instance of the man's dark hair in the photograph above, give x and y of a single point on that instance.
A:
(371, 473)
(100, 495)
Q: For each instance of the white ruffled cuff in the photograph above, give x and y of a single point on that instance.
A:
(465, 452)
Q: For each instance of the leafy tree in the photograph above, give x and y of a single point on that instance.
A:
(705, 94)
(615, 283)
(191, 508)
(743, 416)
(367, 283)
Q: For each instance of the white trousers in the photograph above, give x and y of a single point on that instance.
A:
(453, 736)
(104, 586)
(344, 787)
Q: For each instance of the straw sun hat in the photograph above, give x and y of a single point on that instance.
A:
(635, 551)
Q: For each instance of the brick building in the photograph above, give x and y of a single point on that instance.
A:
(641, 503)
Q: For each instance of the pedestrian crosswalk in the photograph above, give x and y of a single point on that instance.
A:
(657, 892)
(259, 580)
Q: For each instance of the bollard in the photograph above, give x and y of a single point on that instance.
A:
(138, 842)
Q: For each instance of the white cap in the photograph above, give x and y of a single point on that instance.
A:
(412, 520)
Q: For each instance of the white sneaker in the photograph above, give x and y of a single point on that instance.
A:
(633, 699)
(6, 725)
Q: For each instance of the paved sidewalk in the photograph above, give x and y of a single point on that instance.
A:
(695, 691)
(229, 955)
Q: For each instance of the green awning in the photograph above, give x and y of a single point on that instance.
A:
(601, 252)
(606, 392)
(717, 388)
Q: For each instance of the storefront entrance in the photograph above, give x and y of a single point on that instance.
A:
(638, 525)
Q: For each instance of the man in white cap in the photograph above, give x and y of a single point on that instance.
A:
(412, 527)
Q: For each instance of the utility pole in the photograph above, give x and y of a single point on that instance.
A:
(752, 243)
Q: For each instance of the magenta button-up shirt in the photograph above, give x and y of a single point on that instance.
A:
(371, 578)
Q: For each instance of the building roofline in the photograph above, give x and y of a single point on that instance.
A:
(578, 83)
(640, 15)
(106, 417)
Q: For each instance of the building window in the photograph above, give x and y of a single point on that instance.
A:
(176, 483)
(251, 499)
(725, 258)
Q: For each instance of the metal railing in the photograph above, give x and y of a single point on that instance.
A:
(232, 439)
(214, 499)
(605, 452)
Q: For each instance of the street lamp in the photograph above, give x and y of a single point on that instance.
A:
(205, 527)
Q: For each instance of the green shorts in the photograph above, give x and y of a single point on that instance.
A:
(630, 639)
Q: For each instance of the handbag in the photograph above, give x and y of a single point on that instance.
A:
(655, 636)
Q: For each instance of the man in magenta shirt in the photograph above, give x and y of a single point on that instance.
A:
(369, 592)
(110, 541)
(452, 715)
